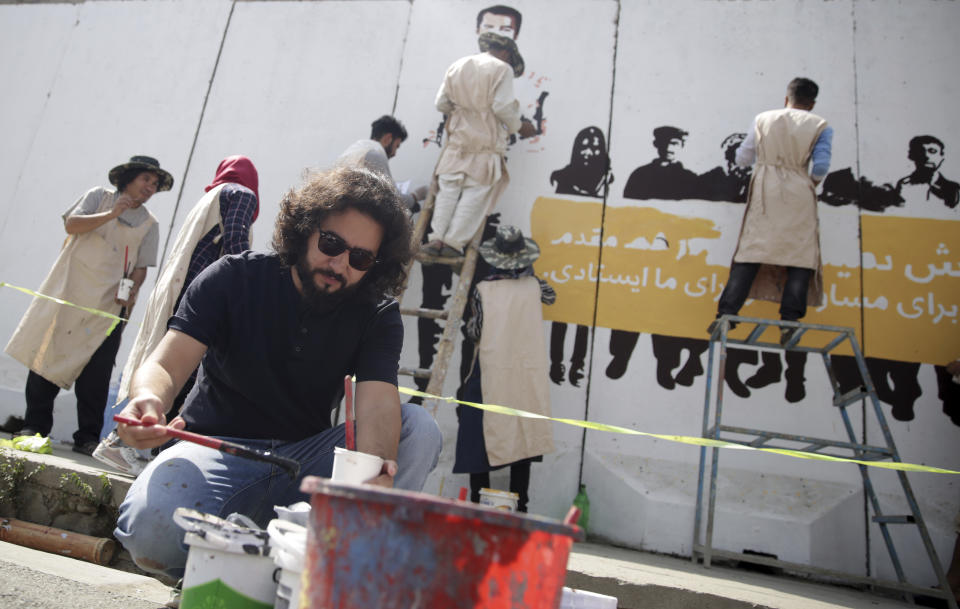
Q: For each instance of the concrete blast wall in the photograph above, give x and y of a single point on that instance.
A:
(636, 242)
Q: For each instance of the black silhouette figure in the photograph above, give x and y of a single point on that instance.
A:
(589, 170)
(895, 382)
(558, 334)
(927, 154)
(949, 394)
(730, 182)
(665, 177)
(842, 188)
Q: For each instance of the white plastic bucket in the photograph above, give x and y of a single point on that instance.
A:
(229, 564)
(289, 542)
(502, 500)
(354, 467)
(581, 599)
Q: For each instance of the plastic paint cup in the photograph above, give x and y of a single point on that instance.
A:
(501, 500)
(123, 290)
(354, 467)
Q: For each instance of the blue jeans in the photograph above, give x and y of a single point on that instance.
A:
(190, 475)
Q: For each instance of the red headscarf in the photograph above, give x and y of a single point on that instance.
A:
(238, 169)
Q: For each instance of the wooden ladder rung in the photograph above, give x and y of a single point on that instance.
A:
(427, 313)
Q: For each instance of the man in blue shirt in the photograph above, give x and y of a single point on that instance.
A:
(778, 253)
(276, 334)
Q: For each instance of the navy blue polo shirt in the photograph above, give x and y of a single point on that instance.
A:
(273, 369)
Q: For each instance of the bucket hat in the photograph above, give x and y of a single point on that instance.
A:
(494, 42)
(147, 163)
(509, 249)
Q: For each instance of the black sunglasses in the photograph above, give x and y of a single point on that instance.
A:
(332, 244)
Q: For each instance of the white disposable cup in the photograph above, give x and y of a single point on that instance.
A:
(501, 500)
(353, 466)
(123, 290)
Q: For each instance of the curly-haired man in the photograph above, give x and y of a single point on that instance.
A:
(277, 333)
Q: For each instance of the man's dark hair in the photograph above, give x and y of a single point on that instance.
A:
(499, 9)
(803, 91)
(918, 143)
(323, 193)
(663, 135)
(132, 174)
(387, 124)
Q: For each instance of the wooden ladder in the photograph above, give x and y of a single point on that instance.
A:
(464, 267)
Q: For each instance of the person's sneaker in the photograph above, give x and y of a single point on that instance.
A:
(117, 455)
(176, 594)
(86, 448)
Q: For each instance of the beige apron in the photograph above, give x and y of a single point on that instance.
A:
(780, 225)
(57, 341)
(513, 361)
(204, 216)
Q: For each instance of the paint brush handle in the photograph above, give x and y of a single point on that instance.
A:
(232, 448)
(351, 440)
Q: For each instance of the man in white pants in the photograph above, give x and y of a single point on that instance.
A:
(477, 97)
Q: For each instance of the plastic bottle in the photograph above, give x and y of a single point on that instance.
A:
(583, 503)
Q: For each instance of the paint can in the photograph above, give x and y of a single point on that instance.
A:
(289, 543)
(582, 599)
(354, 466)
(229, 562)
(369, 546)
(501, 500)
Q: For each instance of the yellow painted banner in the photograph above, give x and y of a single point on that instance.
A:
(911, 284)
(653, 273)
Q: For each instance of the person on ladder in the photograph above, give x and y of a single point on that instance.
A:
(778, 252)
(507, 326)
(477, 97)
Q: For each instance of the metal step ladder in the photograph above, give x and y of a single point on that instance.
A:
(464, 267)
(831, 337)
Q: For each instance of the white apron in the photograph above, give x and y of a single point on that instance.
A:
(513, 364)
(56, 341)
(204, 216)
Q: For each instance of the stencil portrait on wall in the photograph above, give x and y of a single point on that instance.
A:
(727, 182)
(588, 173)
(664, 177)
(922, 192)
(926, 185)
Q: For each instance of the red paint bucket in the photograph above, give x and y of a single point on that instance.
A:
(373, 547)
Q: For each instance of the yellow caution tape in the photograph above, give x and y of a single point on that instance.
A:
(895, 465)
(116, 318)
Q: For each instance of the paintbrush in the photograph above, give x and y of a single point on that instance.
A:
(351, 440)
(231, 448)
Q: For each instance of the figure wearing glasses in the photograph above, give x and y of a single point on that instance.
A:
(276, 334)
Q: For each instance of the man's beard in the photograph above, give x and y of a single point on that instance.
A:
(315, 298)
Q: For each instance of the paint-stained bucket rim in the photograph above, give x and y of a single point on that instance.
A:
(447, 507)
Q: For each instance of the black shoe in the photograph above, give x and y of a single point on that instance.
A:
(786, 335)
(13, 425)
(716, 322)
(617, 367)
(557, 373)
(576, 373)
(86, 448)
(27, 431)
(769, 372)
